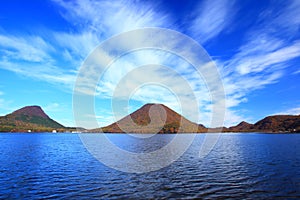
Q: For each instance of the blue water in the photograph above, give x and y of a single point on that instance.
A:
(241, 166)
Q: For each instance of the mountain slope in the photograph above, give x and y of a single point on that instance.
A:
(164, 120)
(28, 118)
(279, 123)
(276, 123)
(241, 127)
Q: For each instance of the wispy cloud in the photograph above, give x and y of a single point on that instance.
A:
(291, 111)
(42, 71)
(27, 48)
(297, 72)
(260, 61)
(267, 51)
(288, 18)
(76, 46)
(36, 57)
(154, 83)
(212, 18)
(56, 56)
(112, 17)
(264, 54)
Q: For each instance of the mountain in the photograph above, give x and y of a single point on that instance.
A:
(164, 120)
(279, 123)
(140, 122)
(241, 127)
(276, 123)
(28, 118)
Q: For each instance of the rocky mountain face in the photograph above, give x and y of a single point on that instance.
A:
(28, 118)
(153, 118)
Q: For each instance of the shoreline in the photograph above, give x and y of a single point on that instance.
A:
(59, 133)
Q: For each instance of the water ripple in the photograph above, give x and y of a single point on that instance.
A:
(242, 166)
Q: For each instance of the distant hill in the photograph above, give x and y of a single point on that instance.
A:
(28, 118)
(279, 123)
(33, 118)
(276, 123)
(141, 119)
(241, 127)
(174, 123)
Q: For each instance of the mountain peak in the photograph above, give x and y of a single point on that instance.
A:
(242, 126)
(152, 104)
(164, 120)
(31, 111)
(243, 123)
(28, 118)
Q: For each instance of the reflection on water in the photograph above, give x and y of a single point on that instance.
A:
(240, 166)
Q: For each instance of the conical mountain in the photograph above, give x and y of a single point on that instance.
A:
(28, 118)
(153, 118)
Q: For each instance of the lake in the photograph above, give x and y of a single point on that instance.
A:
(241, 166)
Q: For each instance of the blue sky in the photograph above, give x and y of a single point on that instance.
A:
(255, 45)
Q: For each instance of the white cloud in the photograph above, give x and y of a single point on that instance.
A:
(297, 72)
(212, 18)
(42, 71)
(52, 107)
(27, 48)
(99, 20)
(112, 17)
(267, 51)
(76, 46)
(291, 111)
(35, 57)
(255, 62)
(289, 18)
(233, 118)
(260, 61)
(165, 84)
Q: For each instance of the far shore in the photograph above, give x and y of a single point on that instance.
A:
(58, 133)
